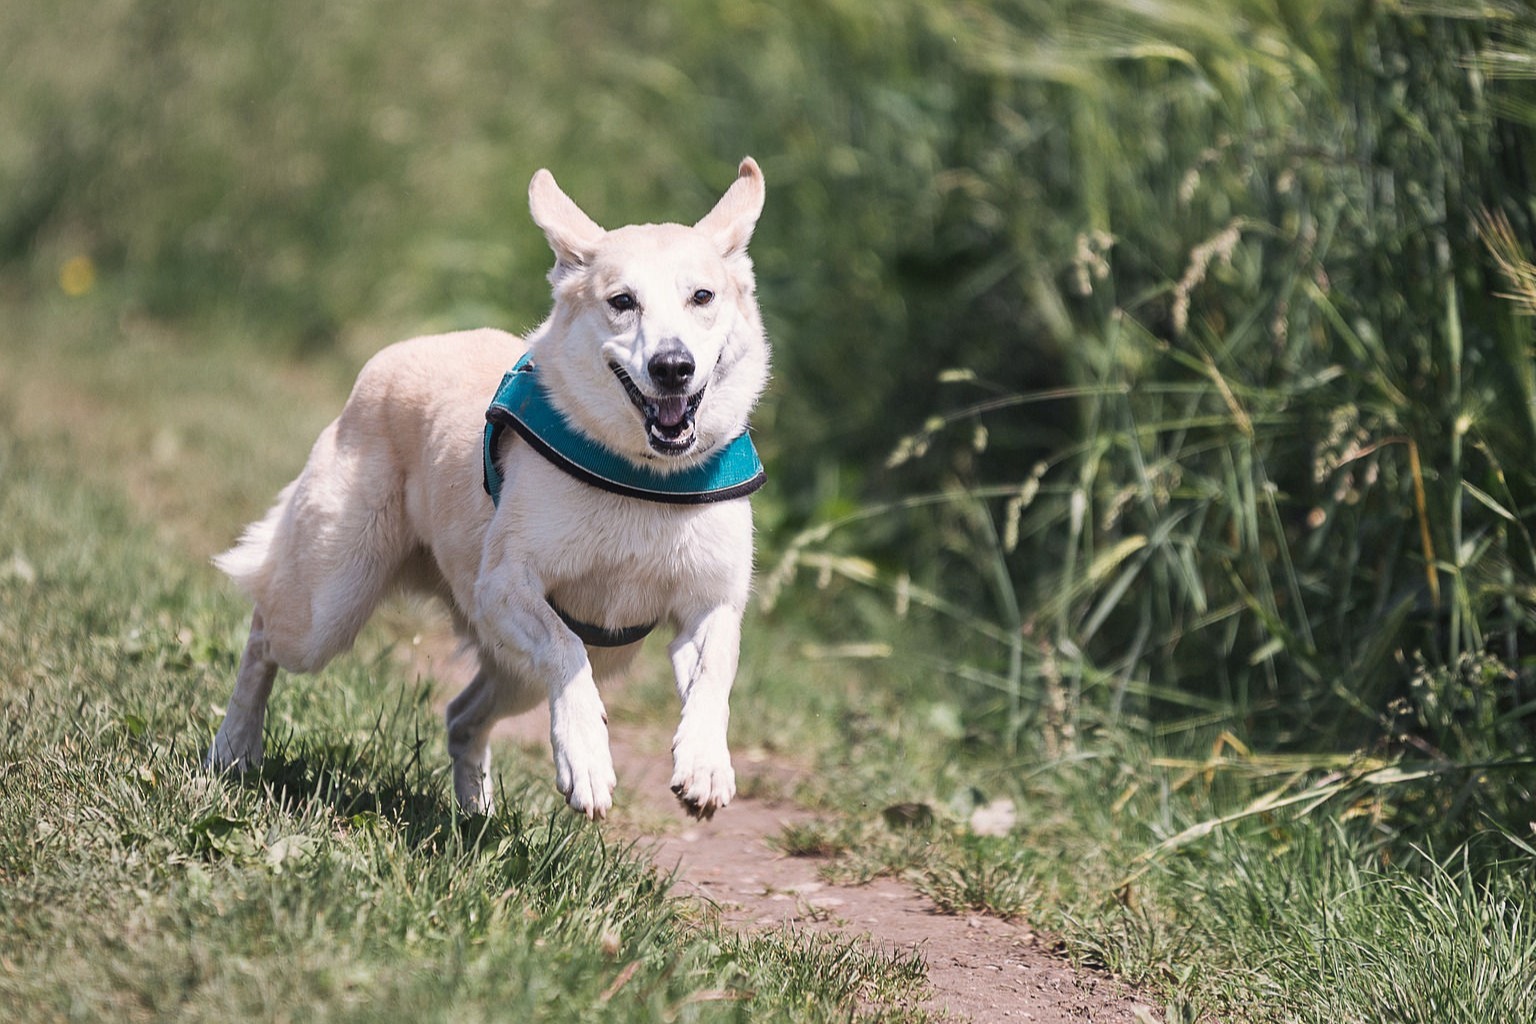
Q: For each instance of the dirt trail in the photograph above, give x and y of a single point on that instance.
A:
(980, 968)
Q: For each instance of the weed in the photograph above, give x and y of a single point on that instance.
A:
(987, 875)
(812, 839)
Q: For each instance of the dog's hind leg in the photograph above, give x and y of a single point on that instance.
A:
(488, 698)
(238, 743)
(315, 567)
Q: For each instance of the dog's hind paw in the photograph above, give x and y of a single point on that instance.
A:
(472, 784)
(231, 756)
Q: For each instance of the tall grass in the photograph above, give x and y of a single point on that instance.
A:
(1283, 488)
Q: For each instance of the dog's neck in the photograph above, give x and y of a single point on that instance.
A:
(524, 404)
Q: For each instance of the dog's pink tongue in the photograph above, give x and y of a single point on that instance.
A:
(671, 410)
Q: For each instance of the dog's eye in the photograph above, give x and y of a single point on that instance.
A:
(623, 302)
(703, 297)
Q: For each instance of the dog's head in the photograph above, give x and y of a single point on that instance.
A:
(655, 347)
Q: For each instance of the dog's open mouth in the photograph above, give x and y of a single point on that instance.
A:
(668, 419)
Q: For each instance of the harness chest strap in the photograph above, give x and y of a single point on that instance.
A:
(522, 404)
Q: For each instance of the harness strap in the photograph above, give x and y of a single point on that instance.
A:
(522, 404)
(597, 636)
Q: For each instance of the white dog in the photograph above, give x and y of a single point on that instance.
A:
(619, 501)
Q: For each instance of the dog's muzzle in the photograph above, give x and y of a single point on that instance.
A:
(668, 420)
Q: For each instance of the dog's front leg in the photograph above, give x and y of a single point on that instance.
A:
(578, 735)
(704, 657)
(529, 639)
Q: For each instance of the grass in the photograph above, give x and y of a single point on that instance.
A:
(191, 896)
(1299, 913)
(1207, 545)
(342, 880)
(1268, 589)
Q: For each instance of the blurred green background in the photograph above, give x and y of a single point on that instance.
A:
(1172, 358)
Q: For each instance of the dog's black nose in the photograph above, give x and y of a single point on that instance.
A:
(672, 367)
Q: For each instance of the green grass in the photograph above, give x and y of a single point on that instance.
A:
(1150, 443)
(1307, 911)
(340, 884)
(186, 895)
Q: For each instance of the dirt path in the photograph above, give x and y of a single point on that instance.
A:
(980, 968)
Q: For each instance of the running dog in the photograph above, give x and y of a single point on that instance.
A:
(563, 494)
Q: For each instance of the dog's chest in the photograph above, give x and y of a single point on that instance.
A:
(618, 561)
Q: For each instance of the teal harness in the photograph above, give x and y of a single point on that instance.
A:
(522, 404)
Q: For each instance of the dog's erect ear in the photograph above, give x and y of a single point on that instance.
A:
(731, 222)
(572, 234)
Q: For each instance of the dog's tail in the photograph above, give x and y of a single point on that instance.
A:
(246, 562)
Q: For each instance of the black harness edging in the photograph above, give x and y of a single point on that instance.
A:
(597, 636)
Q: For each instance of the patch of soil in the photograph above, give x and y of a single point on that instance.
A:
(980, 968)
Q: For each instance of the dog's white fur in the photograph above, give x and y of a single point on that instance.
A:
(391, 496)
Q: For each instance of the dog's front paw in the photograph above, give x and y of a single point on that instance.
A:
(583, 764)
(702, 776)
(587, 783)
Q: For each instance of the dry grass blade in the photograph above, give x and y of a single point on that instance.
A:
(1519, 272)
